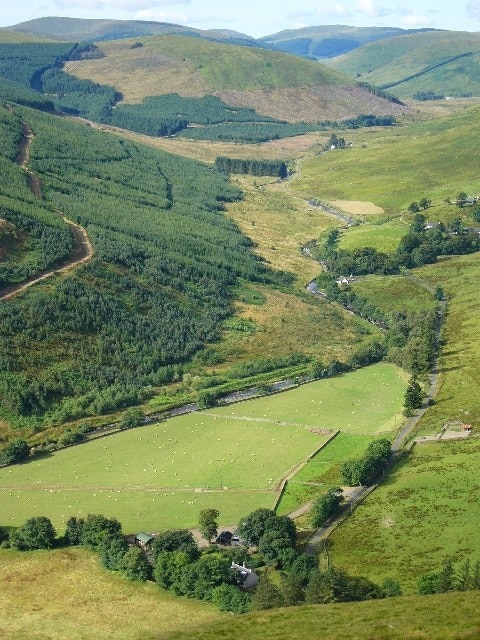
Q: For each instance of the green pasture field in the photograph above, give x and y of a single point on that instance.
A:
(383, 237)
(394, 293)
(322, 471)
(458, 397)
(231, 458)
(394, 167)
(73, 597)
(152, 478)
(366, 401)
(425, 513)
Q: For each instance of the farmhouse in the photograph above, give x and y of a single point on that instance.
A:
(247, 578)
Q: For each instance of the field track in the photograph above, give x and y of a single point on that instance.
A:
(82, 250)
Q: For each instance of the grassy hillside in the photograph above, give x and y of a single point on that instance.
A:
(329, 41)
(73, 596)
(396, 167)
(272, 83)
(416, 520)
(392, 61)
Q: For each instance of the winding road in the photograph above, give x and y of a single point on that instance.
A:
(82, 250)
(354, 495)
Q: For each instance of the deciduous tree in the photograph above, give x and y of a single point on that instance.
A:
(207, 523)
(36, 533)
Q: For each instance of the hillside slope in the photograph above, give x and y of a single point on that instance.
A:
(274, 84)
(79, 29)
(329, 41)
(440, 61)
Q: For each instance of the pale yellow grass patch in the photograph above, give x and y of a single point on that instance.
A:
(66, 594)
(358, 208)
(287, 324)
(279, 223)
(208, 151)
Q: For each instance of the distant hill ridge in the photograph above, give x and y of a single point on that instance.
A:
(440, 62)
(330, 41)
(273, 83)
(76, 29)
(316, 42)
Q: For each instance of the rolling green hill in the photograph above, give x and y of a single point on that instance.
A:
(394, 168)
(330, 41)
(66, 592)
(274, 84)
(444, 62)
(7, 36)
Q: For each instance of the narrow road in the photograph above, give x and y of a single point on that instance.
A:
(354, 495)
(82, 250)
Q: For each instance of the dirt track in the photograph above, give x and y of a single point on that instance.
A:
(82, 248)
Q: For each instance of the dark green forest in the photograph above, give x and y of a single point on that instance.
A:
(166, 260)
(253, 167)
(32, 236)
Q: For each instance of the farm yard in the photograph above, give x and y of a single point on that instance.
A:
(229, 458)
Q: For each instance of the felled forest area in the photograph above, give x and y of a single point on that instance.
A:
(165, 261)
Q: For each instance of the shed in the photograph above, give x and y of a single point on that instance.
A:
(225, 537)
(144, 540)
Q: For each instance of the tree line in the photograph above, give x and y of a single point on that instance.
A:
(175, 562)
(466, 577)
(418, 247)
(253, 167)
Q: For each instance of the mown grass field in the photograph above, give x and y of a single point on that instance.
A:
(366, 401)
(425, 512)
(152, 477)
(383, 237)
(65, 594)
(322, 472)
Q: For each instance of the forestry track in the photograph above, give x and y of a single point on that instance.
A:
(82, 250)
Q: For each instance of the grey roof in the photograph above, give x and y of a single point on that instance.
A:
(251, 580)
(144, 537)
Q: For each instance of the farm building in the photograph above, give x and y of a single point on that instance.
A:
(144, 540)
(247, 578)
